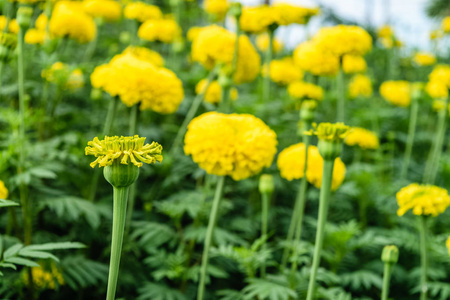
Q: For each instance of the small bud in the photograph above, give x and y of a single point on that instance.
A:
(24, 14)
(329, 150)
(389, 254)
(266, 185)
(235, 10)
(308, 111)
(416, 90)
(331, 136)
(96, 94)
(125, 37)
(224, 78)
(121, 175)
(178, 45)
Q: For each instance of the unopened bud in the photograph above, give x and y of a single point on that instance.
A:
(24, 14)
(389, 254)
(266, 185)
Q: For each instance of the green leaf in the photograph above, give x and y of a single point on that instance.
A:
(156, 291)
(12, 251)
(21, 261)
(268, 289)
(7, 203)
(37, 254)
(56, 246)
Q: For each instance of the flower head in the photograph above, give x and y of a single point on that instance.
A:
(334, 132)
(13, 27)
(436, 89)
(218, 8)
(353, 64)
(3, 191)
(363, 138)
(238, 145)
(124, 150)
(262, 43)
(445, 25)
(424, 59)
(385, 32)
(309, 57)
(35, 36)
(360, 86)
(109, 10)
(284, 71)
(213, 94)
(314, 172)
(145, 54)
(441, 74)
(396, 92)
(142, 11)
(305, 90)
(45, 278)
(422, 200)
(162, 30)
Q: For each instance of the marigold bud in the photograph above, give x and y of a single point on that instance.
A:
(121, 175)
(24, 14)
(266, 185)
(308, 111)
(389, 254)
(235, 10)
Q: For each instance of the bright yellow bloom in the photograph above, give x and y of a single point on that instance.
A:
(314, 172)
(441, 74)
(136, 80)
(124, 149)
(363, 138)
(436, 89)
(335, 132)
(237, 145)
(422, 200)
(218, 8)
(284, 71)
(213, 94)
(193, 33)
(215, 45)
(396, 92)
(286, 14)
(142, 12)
(108, 10)
(69, 20)
(360, 86)
(446, 24)
(344, 39)
(314, 60)
(385, 32)
(305, 90)
(256, 19)
(148, 55)
(44, 278)
(447, 244)
(162, 30)
(35, 36)
(41, 22)
(424, 59)
(262, 43)
(439, 104)
(13, 27)
(353, 64)
(3, 191)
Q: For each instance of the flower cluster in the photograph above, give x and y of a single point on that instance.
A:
(213, 94)
(363, 138)
(344, 39)
(396, 92)
(353, 64)
(44, 278)
(424, 59)
(124, 149)
(422, 200)
(309, 57)
(3, 191)
(238, 145)
(13, 27)
(141, 11)
(360, 86)
(305, 90)
(284, 71)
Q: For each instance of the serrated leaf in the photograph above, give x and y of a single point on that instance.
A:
(13, 250)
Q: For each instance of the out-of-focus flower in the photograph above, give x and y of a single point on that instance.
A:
(353, 64)
(314, 60)
(41, 22)
(136, 80)
(109, 10)
(262, 43)
(218, 8)
(35, 36)
(436, 34)
(396, 92)
(360, 86)
(13, 27)
(422, 200)
(385, 32)
(44, 278)
(305, 90)
(3, 191)
(69, 20)
(162, 30)
(142, 11)
(213, 94)
(344, 39)
(256, 19)
(445, 25)
(215, 45)
(193, 33)
(436, 89)
(148, 55)
(441, 74)
(75, 80)
(61, 75)
(286, 14)
(237, 145)
(332, 132)
(424, 59)
(363, 138)
(284, 71)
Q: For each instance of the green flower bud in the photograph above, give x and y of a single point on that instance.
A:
(24, 14)
(178, 45)
(235, 10)
(308, 111)
(120, 175)
(125, 37)
(96, 94)
(329, 150)
(224, 78)
(266, 185)
(416, 90)
(389, 254)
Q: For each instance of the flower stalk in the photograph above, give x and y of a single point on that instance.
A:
(268, 59)
(266, 188)
(411, 134)
(390, 257)
(341, 95)
(423, 258)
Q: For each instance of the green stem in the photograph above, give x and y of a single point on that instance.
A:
(264, 222)
(386, 281)
(341, 96)
(1, 77)
(225, 105)
(410, 140)
(209, 235)
(321, 222)
(119, 213)
(266, 84)
(91, 48)
(423, 259)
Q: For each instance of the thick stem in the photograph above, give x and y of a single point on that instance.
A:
(423, 258)
(266, 83)
(264, 222)
(341, 96)
(386, 281)
(410, 140)
(321, 222)
(209, 234)
(119, 213)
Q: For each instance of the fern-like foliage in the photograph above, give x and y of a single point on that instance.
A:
(159, 291)
(272, 288)
(80, 272)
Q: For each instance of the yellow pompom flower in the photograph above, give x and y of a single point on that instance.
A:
(396, 92)
(344, 39)
(446, 24)
(237, 145)
(385, 32)
(109, 10)
(314, 60)
(286, 14)
(218, 8)
(3, 191)
(213, 94)
(291, 161)
(363, 138)
(422, 200)
(145, 54)
(69, 20)
(441, 74)
(162, 30)
(284, 71)
(215, 45)
(353, 64)
(424, 59)
(436, 89)
(256, 19)
(35, 36)
(360, 86)
(142, 11)
(44, 278)
(193, 33)
(124, 150)
(13, 27)
(305, 90)
(41, 22)
(262, 43)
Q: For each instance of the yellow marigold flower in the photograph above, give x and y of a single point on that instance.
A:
(286, 14)
(436, 89)
(124, 149)
(305, 90)
(41, 22)
(3, 191)
(436, 34)
(360, 86)
(446, 24)
(162, 30)
(262, 43)
(314, 60)
(256, 19)
(334, 132)
(424, 59)
(43, 278)
(363, 138)
(385, 32)
(138, 81)
(109, 10)
(69, 20)
(35, 36)
(218, 8)
(238, 145)
(213, 94)
(441, 74)
(193, 33)
(13, 27)
(439, 104)
(422, 200)
(148, 55)
(284, 71)
(215, 45)
(291, 161)
(353, 64)
(344, 39)
(142, 12)
(447, 244)
(396, 92)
